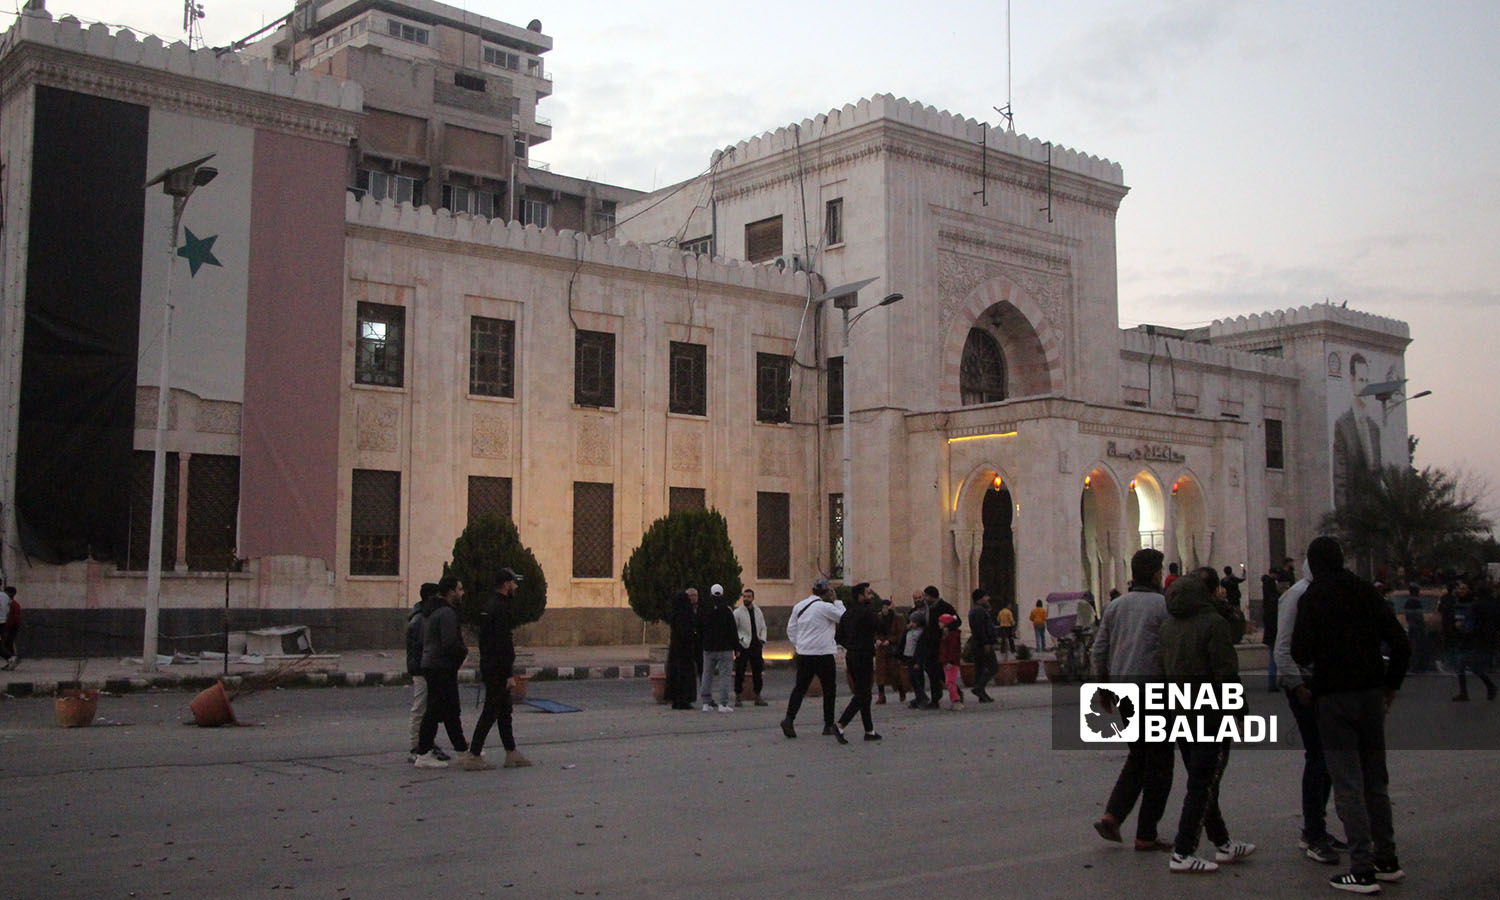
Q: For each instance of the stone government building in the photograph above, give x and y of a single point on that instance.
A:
(354, 375)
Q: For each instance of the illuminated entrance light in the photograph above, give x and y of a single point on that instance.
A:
(981, 437)
(998, 482)
(1088, 482)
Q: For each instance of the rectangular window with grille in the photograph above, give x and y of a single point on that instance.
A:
(689, 379)
(685, 499)
(492, 357)
(700, 245)
(379, 345)
(836, 535)
(1275, 456)
(835, 390)
(535, 212)
(213, 508)
(833, 228)
(593, 530)
(375, 523)
(1276, 534)
(489, 496)
(138, 548)
(773, 387)
(773, 535)
(593, 368)
(763, 239)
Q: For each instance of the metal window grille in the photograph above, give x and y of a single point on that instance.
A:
(213, 506)
(380, 345)
(138, 547)
(701, 245)
(492, 357)
(594, 368)
(773, 535)
(685, 499)
(488, 496)
(689, 379)
(835, 390)
(763, 239)
(1275, 456)
(836, 535)
(773, 387)
(981, 372)
(375, 523)
(593, 529)
(834, 221)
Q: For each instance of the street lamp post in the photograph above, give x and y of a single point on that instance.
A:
(846, 297)
(178, 183)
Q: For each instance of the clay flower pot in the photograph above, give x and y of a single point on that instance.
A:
(1027, 670)
(1005, 676)
(1053, 668)
(518, 690)
(76, 708)
(659, 688)
(211, 707)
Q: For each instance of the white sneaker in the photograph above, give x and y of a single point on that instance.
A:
(724, 708)
(1234, 851)
(1192, 864)
(708, 707)
(429, 761)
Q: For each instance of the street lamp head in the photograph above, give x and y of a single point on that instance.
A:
(204, 175)
(179, 181)
(891, 298)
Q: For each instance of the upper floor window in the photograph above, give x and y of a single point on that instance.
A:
(833, 222)
(407, 32)
(981, 373)
(536, 212)
(1275, 456)
(594, 368)
(387, 186)
(835, 390)
(773, 387)
(763, 239)
(492, 357)
(604, 220)
(462, 198)
(689, 379)
(702, 246)
(378, 350)
(502, 58)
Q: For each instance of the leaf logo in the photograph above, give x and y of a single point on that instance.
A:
(1108, 713)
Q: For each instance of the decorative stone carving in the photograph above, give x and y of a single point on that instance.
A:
(593, 442)
(218, 417)
(377, 426)
(1064, 464)
(490, 437)
(687, 453)
(957, 276)
(772, 457)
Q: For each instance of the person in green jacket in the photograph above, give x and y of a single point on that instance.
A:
(1196, 645)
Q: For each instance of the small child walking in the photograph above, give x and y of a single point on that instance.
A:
(950, 652)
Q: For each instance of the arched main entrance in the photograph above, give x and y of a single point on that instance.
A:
(997, 547)
(1099, 513)
(1145, 513)
(1190, 522)
(984, 536)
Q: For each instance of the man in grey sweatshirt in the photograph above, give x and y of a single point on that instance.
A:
(1125, 650)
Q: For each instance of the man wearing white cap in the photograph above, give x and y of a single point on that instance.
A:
(720, 638)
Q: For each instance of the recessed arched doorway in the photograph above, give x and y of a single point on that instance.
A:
(997, 547)
(1099, 513)
(1190, 521)
(1145, 513)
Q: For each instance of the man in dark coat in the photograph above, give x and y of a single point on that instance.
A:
(932, 641)
(682, 648)
(497, 664)
(416, 629)
(1342, 621)
(859, 626)
(443, 652)
(983, 636)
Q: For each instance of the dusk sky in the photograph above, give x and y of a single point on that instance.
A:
(1278, 153)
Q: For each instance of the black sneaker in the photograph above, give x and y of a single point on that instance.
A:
(1337, 845)
(1322, 852)
(1389, 872)
(787, 729)
(1355, 884)
(828, 731)
(838, 735)
(872, 735)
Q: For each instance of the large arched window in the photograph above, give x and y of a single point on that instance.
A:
(981, 375)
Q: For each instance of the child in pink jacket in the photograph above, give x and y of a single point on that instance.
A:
(950, 652)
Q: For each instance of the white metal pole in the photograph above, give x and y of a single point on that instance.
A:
(159, 464)
(848, 428)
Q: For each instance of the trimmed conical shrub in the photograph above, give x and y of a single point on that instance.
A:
(489, 544)
(685, 549)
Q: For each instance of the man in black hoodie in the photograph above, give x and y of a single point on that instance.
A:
(932, 640)
(443, 651)
(1342, 621)
(497, 664)
(858, 626)
(416, 627)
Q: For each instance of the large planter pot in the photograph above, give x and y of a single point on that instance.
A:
(1005, 676)
(1027, 670)
(211, 707)
(659, 688)
(966, 672)
(1053, 668)
(76, 708)
(520, 682)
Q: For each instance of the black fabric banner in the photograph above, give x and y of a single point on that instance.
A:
(78, 359)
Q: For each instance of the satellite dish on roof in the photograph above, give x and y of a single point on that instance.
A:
(534, 25)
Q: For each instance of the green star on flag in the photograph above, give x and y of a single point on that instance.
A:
(198, 251)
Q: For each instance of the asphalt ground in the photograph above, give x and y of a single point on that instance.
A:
(631, 799)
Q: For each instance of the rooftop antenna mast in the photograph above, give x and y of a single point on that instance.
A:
(1005, 113)
(192, 19)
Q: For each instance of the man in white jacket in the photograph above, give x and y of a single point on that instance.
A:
(1317, 786)
(811, 629)
(750, 623)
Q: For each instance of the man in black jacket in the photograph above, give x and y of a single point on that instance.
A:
(720, 638)
(416, 627)
(497, 664)
(1342, 620)
(932, 639)
(983, 636)
(443, 651)
(858, 627)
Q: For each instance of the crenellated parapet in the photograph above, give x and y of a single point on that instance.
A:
(1304, 316)
(229, 70)
(1139, 343)
(568, 246)
(927, 118)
